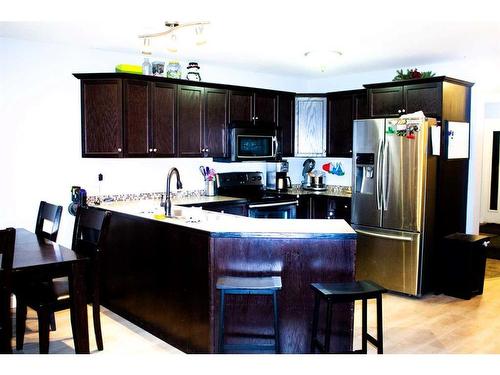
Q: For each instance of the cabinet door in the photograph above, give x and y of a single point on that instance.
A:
(360, 102)
(385, 102)
(163, 119)
(424, 97)
(136, 118)
(240, 106)
(304, 207)
(286, 111)
(101, 118)
(310, 126)
(340, 117)
(190, 117)
(265, 114)
(215, 122)
(339, 208)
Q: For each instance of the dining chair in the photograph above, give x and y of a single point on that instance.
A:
(52, 213)
(7, 241)
(89, 234)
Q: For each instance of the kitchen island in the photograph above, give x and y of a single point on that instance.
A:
(160, 273)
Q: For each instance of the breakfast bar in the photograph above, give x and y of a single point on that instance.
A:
(160, 273)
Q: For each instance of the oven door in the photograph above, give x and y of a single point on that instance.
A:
(277, 210)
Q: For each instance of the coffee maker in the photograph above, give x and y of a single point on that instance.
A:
(276, 175)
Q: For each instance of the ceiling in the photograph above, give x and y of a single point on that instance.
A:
(272, 36)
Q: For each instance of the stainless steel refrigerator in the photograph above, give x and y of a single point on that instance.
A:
(393, 201)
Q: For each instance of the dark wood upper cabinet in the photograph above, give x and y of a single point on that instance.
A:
(265, 109)
(386, 101)
(424, 97)
(190, 120)
(343, 108)
(136, 118)
(240, 106)
(163, 119)
(216, 114)
(393, 99)
(286, 124)
(101, 102)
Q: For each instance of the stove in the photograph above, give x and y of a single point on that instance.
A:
(261, 203)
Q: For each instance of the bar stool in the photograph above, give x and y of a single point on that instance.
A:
(342, 293)
(249, 285)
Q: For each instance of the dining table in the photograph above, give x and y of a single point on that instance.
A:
(36, 258)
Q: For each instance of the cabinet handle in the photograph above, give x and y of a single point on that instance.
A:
(206, 150)
(256, 117)
(150, 150)
(399, 111)
(403, 110)
(154, 149)
(119, 149)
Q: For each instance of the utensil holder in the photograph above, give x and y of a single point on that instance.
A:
(210, 188)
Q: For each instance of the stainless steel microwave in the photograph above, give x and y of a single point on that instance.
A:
(252, 143)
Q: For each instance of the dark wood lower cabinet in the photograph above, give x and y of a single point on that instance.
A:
(162, 278)
(324, 207)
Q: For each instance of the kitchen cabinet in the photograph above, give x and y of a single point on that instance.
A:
(286, 123)
(265, 109)
(163, 132)
(324, 207)
(149, 119)
(101, 110)
(190, 121)
(215, 126)
(398, 99)
(343, 108)
(136, 105)
(310, 126)
(240, 106)
(258, 107)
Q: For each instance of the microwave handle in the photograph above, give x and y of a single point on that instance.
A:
(275, 145)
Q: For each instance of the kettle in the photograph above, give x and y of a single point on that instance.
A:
(283, 182)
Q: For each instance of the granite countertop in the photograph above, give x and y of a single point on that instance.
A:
(226, 225)
(331, 191)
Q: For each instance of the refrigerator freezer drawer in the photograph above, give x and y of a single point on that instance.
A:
(388, 257)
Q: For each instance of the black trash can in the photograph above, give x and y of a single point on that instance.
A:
(464, 262)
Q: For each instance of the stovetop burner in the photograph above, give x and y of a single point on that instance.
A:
(247, 185)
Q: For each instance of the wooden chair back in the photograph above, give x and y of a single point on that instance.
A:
(90, 230)
(52, 213)
(7, 241)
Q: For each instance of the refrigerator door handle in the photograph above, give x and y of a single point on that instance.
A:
(385, 175)
(386, 236)
(379, 174)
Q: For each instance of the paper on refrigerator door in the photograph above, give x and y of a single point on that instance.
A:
(436, 139)
(458, 140)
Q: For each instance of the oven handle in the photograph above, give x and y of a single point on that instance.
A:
(262, 205)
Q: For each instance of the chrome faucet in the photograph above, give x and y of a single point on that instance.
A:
(168, 201)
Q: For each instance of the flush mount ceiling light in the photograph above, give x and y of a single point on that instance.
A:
(175, 33)
(322, 58)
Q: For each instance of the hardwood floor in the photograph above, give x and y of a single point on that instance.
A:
(430, 325)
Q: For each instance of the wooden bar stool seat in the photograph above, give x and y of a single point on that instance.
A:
(248, 285)
(342, 293)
